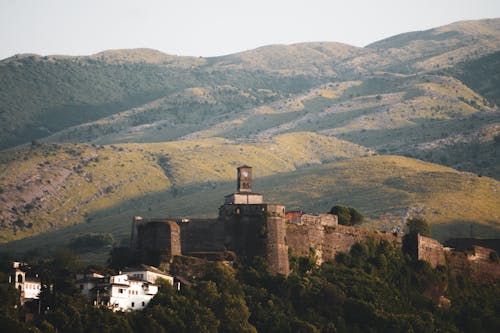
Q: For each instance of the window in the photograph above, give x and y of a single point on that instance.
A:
(143, 304)
(81, 287)
(133, 304)
(20, 278)
(120, 290)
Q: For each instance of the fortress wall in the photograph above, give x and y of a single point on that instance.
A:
(160, 235)
(321, 219)
(301, 238)
(277, 249)
(479, 270)
(200, 235)
(327, 241)
(430, 250)
(480, 254)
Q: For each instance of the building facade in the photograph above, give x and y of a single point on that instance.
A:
(130, 290)
(28, 284)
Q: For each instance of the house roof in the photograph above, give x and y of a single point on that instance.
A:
(143, 267)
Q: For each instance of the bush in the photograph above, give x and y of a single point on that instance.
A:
(418, 225)
(91, 241)
(347, 215)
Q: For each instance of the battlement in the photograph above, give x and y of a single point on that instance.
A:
(313, 220)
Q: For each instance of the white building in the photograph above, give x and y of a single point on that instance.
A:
(28, 284)
(128, 291)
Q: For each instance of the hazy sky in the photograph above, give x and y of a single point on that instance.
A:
(216, 27)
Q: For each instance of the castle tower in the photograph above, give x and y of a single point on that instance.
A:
(254, 228)
(244, 194)
(244, 179)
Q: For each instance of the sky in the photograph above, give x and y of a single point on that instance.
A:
(216, 27)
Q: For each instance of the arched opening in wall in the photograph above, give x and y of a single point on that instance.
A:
(20, 278)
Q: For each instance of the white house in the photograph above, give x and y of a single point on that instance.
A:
(148, 273)
(27, 283)
(130, 290)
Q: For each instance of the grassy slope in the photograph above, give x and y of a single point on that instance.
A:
(50, 186)
(388, 189)
(146, 96)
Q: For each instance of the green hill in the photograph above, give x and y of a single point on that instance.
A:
(50, 186)
(439, 47)
(125, 132)
(41, 96)
(387, 189)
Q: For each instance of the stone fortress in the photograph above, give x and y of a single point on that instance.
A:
(249, 227)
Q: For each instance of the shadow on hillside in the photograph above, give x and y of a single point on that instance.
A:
(465, 229)
(305, 189)
(481, 158)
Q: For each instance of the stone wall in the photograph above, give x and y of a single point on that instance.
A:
(329, 220)
(159, 235)
(256, 230)
(200, 235)
(476, 268)
(479, 253)
(277, 249)
(430, 250)
(327, 241)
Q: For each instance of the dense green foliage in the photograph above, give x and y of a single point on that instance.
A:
(91, 241)
(43, 95)
(347, 215)
(373, 288)
(418, 225)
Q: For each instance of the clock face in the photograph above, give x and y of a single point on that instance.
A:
(244, 174)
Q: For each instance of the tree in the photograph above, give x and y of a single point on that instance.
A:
(342, 213)
(356, 216)
(418, 225)
(347, 215)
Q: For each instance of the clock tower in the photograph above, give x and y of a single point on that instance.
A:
(244, 179)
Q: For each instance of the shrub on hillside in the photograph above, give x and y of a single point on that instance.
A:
(347, 215)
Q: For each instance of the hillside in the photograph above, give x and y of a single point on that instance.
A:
(439, 47)
(41, 96)
(387, 189)
(89, 141)
(482, 75)
(50, 186)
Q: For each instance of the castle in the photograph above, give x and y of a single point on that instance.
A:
(250, 227)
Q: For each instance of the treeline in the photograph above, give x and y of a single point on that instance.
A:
(373, 288)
